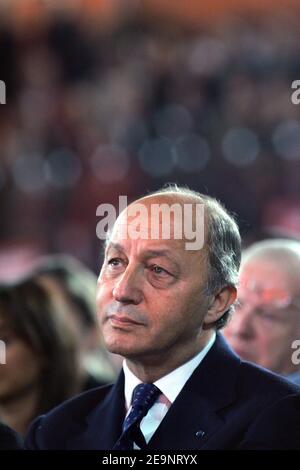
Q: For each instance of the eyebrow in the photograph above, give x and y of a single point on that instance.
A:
(114, 246)
(148, 253)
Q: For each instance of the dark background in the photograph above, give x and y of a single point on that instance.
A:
(109, 98)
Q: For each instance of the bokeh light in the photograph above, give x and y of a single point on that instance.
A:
(192, 153)
(286, 140)
(240, 146)
(62, 168)
(28, 173)
(110, 163)
(156, 157)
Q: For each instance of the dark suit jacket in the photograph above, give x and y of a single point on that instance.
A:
(226, 404)
(9, 439)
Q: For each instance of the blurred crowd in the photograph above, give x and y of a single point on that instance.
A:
(93, 113)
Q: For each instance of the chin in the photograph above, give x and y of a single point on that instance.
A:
(125, 350)
(118, 346)
(122, 342)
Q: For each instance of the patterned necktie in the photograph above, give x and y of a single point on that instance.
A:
(144, 396)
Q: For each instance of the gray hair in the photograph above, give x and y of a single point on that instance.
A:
(223, 243)
(285, 252)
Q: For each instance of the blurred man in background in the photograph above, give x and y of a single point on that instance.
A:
(266, 324)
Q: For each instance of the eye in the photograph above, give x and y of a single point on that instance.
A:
(115, 262)
(160, 271)
(267, 315)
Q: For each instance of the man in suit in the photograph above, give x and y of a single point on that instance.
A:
(266, 326)
(161, 301)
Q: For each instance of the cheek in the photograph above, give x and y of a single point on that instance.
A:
(172, 313)
(22, 355)
(273, 350)
(283, 336)
(273, 344)
(104, 295)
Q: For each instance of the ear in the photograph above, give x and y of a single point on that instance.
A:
(220, 302)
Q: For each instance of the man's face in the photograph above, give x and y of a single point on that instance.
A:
(267, 321)
(150, 301)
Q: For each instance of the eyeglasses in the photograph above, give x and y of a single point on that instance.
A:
(269, 295)
(267, 302)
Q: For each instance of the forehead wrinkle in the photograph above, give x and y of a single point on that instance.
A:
(264, 272)
(163, 253)
(177, 246)
(283, 264)
(115, 246)
(126, 218)
(148, 252)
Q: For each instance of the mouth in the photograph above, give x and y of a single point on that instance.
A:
(121, 321)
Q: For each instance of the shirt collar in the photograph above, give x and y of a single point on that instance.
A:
(172, 383)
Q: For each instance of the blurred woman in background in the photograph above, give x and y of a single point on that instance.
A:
(9, 439)
(72, 288)
(42, 366)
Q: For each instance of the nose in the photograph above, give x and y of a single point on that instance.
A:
(128, 288)
(242, 324)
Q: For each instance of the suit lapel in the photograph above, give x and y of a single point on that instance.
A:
(193, 418)
(104, 425)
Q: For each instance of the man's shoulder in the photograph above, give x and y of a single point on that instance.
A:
(294, 378)
(264, 383)
(249, 378)
(273, 403)
(82, 403)
(65, 419)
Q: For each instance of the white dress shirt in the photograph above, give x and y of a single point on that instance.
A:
(170, 385)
